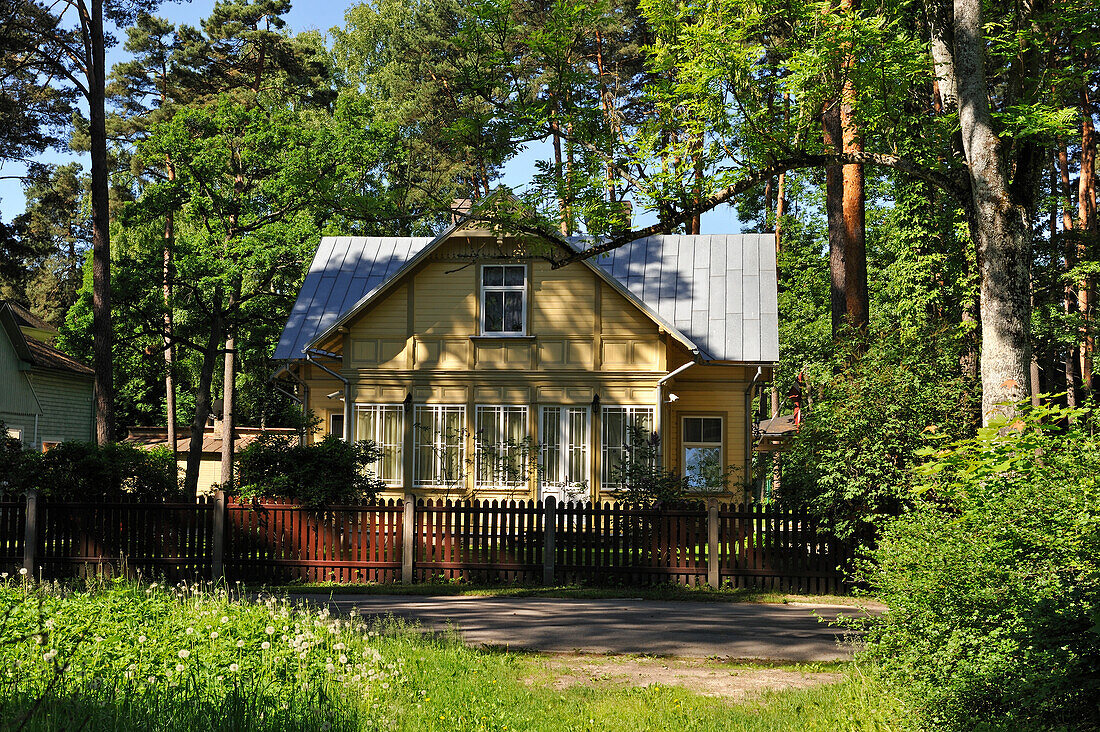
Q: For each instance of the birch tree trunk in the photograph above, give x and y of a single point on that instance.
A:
(998, 222)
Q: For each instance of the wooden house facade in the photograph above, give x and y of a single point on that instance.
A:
(483, 371)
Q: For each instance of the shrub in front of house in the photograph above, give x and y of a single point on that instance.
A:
(84, 470)
(330, 471)
(993, 580)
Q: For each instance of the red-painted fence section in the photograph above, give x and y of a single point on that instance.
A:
(276, 541)
(524, 542)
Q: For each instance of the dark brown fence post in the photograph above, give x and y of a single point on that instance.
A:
(408, 539)
(549, 522)
(712, 542)
(217, 560)
(30, 532)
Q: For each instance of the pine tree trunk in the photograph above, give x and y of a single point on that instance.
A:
(1060, 191)
(1087, 229)
(834, 209)
(102, 333)
(228, 412)
(999, 225)
(856, 299)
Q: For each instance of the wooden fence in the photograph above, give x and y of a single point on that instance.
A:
(528, 542)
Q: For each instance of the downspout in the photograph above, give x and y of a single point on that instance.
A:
(660, 392)
(748, 424)
(347, 393)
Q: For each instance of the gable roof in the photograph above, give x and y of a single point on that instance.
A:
(34, 351)
(717, 294)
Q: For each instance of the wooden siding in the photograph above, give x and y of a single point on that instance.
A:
(67, 408)
(17, 397)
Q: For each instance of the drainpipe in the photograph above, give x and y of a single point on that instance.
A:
(748, 424)
(660, 392)
(347, 393)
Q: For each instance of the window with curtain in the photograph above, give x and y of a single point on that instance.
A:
(384, 425)
(563, 438)
(504, 299)
(618, 422)
(439, 433)
(500, 435)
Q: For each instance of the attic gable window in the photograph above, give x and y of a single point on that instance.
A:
(504, 299)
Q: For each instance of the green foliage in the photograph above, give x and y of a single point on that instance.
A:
(639, 478)
(85, 471)
(331, 471)
(849, 464)
(123, 656)
(993, 581)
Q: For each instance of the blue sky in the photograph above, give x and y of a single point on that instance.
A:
(318, 15)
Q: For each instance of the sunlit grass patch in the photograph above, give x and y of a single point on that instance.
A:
(118, 655)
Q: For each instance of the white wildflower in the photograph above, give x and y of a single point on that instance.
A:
(49, 655)
(265, 645)
(240, 644)
(270, 630)
(184, 653)
(22, 570)
(343, 659)
(190, 631)
(233, 667)
(214, 635)
(225, 619)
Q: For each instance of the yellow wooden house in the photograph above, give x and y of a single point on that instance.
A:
(485, 372)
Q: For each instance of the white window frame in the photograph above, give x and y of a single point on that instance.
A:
(439, 444)
(685, 445)
(566, 446)
(607, 450)
(522, 289)
(16, 432)
(379, 438)
(499, 410)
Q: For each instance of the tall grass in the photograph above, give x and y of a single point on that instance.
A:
(123, 656)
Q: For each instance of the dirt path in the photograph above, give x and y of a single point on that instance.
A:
(733, 683)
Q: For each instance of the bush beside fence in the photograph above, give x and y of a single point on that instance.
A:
(490, 542)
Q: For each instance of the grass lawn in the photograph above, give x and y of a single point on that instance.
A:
(127, 656)
(703, 593)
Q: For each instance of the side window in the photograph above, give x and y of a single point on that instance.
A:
(440, 445)
(336, 424)
(504, 299)
(702, 443)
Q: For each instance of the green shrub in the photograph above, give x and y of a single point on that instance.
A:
(849, 465)
(84, 470)
(993, 581)
(325, 472)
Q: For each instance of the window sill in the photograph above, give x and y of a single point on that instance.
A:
(502, 337)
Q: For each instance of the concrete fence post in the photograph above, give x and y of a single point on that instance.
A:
(712, 542)
(217, 559)
(30, 532)
(549, 526)
(408, 538)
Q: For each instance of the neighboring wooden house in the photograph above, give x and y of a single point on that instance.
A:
(449, 351)
(46, 396)
(210, 468)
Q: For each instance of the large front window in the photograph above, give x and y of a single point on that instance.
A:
(564, 447)
(623, 428)
(702, 440)
(382, 424)
(503, 299)
(502, 447)
(440, 435)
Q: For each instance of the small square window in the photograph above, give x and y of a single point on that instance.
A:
(503, 299)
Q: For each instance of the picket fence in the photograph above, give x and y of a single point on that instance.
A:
(528, 542)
